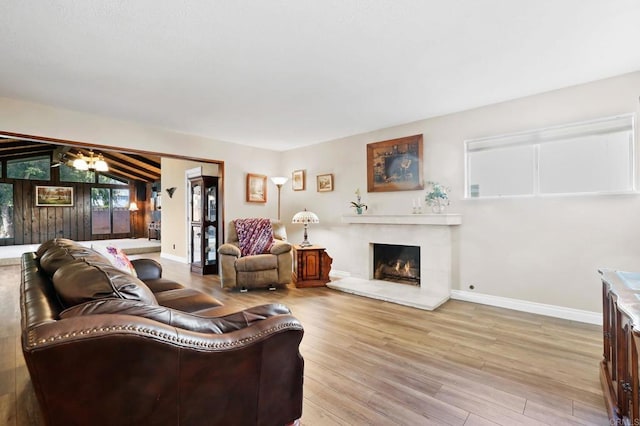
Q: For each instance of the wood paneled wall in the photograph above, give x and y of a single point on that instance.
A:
(35, 225)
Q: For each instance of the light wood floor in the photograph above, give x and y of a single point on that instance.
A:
(376, 363)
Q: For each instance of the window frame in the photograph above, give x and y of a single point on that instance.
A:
(540, 136)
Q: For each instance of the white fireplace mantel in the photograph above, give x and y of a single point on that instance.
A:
(433, 233)
(405, 219)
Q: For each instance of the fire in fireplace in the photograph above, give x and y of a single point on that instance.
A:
(397, 263)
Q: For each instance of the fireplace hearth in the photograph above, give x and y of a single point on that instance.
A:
(397, 263)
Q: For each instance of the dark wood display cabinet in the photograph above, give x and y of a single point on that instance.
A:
(204, 224)
(621, 338)
(311, 266)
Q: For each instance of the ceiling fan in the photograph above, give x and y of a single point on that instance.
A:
(59, 157)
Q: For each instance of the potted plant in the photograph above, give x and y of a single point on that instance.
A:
(437, 197)
(358, 204)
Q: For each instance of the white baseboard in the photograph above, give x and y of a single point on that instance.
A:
(531, 307)
(174, 258)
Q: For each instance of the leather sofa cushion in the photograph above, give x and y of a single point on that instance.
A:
(259, 262)
(186, 300)
(55, 242)
(158, 285)
(81, 281)
(55, 257)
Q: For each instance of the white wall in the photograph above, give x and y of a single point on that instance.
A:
(17, 116)
(544, 250)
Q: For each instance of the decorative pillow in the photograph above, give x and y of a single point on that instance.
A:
(255, 235)
(117, 257)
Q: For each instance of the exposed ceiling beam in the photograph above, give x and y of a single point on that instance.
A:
(133, 162)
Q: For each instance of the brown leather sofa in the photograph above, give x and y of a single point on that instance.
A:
(267, 270)
(106, 348)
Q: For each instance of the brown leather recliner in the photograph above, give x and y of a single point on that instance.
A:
(104, 348)
(272, 269)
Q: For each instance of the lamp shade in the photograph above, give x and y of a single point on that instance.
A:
(279, 180)
(305, 217)
(80, 163)
(101, 165)
(133, 207)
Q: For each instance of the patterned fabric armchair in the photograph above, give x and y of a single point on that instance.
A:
(268, 269)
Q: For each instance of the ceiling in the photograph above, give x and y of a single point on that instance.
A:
(138, 167)
(281, 74)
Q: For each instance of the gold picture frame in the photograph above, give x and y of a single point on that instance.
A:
(395, 165)
(54, 196)
(256, 188)
(324, 183)
(298, 180)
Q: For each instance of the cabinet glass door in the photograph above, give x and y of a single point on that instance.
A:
(210, 245)
(196, 238)
(196, 203)
(212, 209)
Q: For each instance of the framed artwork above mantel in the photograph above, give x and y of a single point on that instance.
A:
(395, 165)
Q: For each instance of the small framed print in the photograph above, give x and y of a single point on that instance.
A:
(325, 182)
(256, 188)
(298, 180)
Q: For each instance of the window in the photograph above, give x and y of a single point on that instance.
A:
(589, 157)
(6, 210)
(35, 168)
(70, 174)
(110, 211)
(110, 180)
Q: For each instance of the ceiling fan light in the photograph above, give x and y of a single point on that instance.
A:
(80, 164)
(101, 165)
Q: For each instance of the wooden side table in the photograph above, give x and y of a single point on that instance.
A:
(311, 266)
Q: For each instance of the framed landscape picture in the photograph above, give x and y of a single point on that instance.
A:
(54, 196)
(325, 183)
(256, 188)
(395, 165)
(297, 180)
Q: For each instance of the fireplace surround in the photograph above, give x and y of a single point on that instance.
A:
(432, 233)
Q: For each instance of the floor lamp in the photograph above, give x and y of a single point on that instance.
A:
(279, 181)
(133, 208)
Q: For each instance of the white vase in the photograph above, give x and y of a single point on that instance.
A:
(438, 206)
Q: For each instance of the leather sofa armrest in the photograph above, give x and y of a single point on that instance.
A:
(206, 321)
(147, 269)
(230, 250)
(280, 247)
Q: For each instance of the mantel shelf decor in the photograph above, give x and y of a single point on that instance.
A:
(358, 204)
(437, 197)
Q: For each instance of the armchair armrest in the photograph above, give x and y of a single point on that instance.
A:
(147, 269)
(280, 247)
(229, 249)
